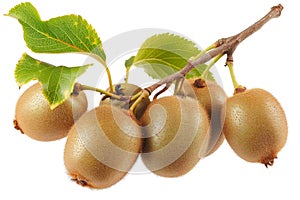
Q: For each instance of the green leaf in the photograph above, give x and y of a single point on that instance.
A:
(65, 34)
(163, 54)
(57, 82)
(129, 62)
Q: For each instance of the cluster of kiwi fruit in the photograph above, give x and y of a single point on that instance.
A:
(171, 133)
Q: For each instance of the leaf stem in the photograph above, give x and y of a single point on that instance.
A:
(212, 46)
(126, 77)
(111, 87)
(214, 61)
(100, 60)
(86, 87)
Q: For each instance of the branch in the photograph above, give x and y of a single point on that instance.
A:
(223, 46)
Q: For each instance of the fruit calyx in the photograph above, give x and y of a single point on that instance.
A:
(269, 161)
(76, 89)
(240, 89)
(17, 127)
(200, 83)
(80, 181)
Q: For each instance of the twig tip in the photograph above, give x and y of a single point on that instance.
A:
(278, 8)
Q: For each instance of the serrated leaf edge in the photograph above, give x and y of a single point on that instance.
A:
(89, 26)
(65, 95)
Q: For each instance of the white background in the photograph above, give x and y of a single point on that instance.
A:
(268, 59)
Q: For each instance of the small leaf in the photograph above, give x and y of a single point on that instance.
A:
(65, 34)
(57, 82)
(129, 62)
(163, 54)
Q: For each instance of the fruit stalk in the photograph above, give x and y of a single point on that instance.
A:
(79, 87)
(232, 74)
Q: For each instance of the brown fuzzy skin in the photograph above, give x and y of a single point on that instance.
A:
(35, 118)
(129, 90)
(98, 152)
(213, 98)
(255, 126)
(176, 131)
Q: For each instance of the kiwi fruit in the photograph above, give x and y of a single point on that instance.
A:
(34, 117)
(175, 135)
(213, 98)
(255, 126)
(102, 146)
(127, 89)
